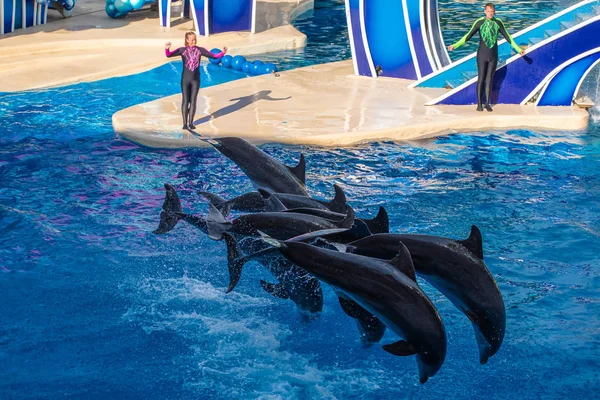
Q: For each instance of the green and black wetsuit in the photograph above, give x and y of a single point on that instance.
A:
(487, 54)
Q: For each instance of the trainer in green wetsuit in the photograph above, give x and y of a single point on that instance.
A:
(487, 54)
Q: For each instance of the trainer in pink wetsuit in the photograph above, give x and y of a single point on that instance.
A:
(190, 79)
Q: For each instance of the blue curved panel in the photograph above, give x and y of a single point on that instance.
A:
(42, 14)
(433, 28)
(388, 39)
(561, 89)
(165, 6)
(29, 12)
(359, 53)
(198, 11)
(414, 17)
(230, 15)
(8, 9)
(514, 82)
(19, 14)
(187, 11)
(455, 73)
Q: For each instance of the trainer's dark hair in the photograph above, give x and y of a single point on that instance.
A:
(490, 5)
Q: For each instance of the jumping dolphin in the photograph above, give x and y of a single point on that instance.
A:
(457, 270)
(280, 225)
(254, 202)
(264, 171)
(379, 224)
(388, 290)
(293, 284)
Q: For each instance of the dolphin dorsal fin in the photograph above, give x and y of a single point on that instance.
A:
(474, 243)
(379, 224)
(299, 171)
(338, 203)
(403, 262)
(348, 220)
(214, 199)
(273, 202)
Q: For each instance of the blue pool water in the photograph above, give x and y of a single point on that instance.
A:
(94, 306)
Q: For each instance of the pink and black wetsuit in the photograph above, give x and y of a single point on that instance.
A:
(190, 78)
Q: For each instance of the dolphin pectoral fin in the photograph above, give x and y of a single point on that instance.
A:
(338, 204)
(403, 262)
(379, 224)
(299, 171)
(273, 203)
(276, 290)
(348, 220)
(324, 244)
(474, 243)
(316, 234)
(220, 203)
(214, 230)
(214, 215)
(235, 261)
(351, 308)
(400, 348)
(170, 214)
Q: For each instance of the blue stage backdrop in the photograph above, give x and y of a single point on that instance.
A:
(522, 77)
(214, 16)
(401, 36)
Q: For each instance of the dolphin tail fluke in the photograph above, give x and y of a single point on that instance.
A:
(171, 211)
(273, 203)
(338, 204)
(379, 224)
(299, 171)
(370, 327)
(220, 203)
(474, 243)
(235, 261)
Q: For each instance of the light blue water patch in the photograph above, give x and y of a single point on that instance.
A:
(86, 109)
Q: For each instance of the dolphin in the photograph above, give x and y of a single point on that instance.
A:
(255, 202)
(280, 225)
(264, 171)
(299, 286)
(379, 224)
(388, 290)
(294, 283)
(456, 268)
